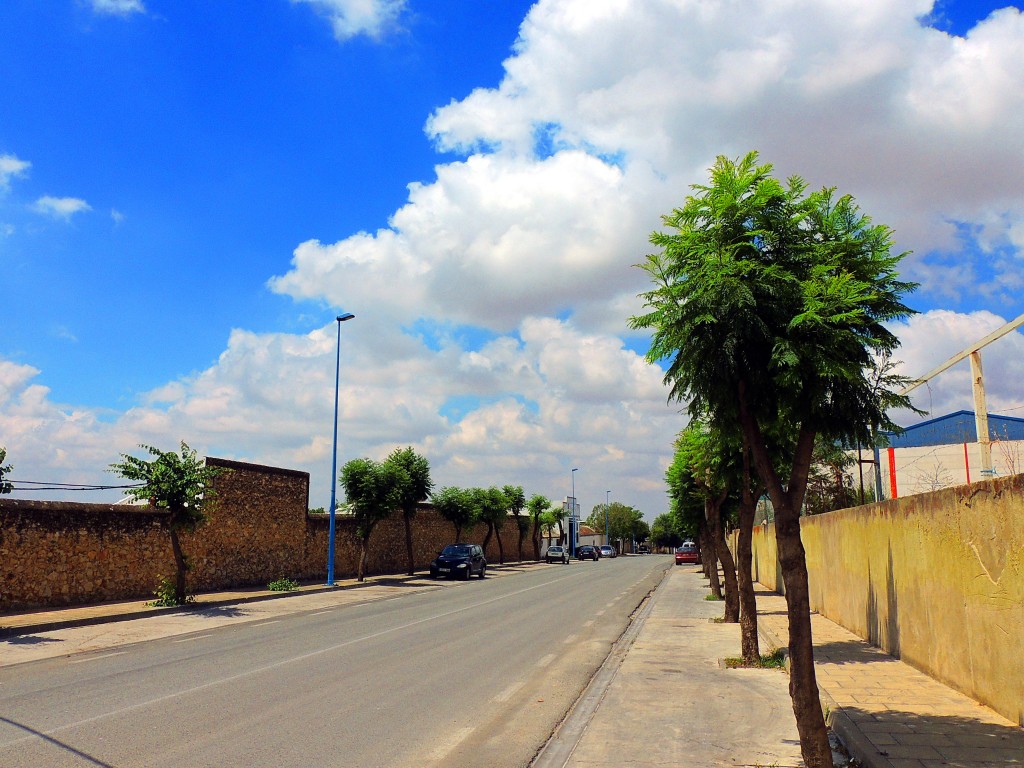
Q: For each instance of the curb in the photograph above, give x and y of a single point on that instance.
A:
(200, 603)
(856, 743)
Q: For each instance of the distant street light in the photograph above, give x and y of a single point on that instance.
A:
(607, 498)
(572, 514)
(334, 453)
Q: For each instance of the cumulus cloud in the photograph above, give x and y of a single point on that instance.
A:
(60, 207)
(492, 306)
(349, 18)
(118, 7)
(10, 168)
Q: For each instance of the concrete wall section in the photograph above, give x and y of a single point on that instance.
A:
(936, 579)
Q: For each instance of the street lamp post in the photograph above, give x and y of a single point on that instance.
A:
(607, 497)
(572, 513)
(334, 453)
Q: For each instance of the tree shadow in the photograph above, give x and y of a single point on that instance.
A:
(57, 743)
(955, 740)
(219, 611)
(884, 632)
(28, 640)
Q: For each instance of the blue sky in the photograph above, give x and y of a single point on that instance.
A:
(189, 192)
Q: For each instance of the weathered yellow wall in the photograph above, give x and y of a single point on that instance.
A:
(936, 579)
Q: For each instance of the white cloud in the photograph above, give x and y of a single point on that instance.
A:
(349, 18)
(116, 216)
(118, 7)
(11, 168)
(609, 111)
(60, 207)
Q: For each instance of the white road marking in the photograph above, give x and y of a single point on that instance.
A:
(546, 660)
(190, 639)
(570, 639)
(96, 658)
(508, 693)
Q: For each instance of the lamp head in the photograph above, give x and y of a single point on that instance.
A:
(346, 316)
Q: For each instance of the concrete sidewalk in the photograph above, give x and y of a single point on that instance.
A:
(889, 714)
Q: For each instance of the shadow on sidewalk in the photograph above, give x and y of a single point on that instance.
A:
(954, 740)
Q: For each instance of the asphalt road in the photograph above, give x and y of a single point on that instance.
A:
(475, 673)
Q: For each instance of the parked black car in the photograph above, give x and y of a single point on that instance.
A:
(587, 552)
(459, 561)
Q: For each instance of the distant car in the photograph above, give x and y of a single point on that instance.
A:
(644, 550)
(687, 554)
(587, 552)
(459, 561)
(608, 551)
(556, 554)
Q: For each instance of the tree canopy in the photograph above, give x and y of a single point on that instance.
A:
(5, 485)
(375, 491)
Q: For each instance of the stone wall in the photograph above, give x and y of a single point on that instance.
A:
(935, 579)
(258, 529)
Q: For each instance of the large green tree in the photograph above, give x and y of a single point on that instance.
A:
(374, 489)
(770, 303)
(180, 483)
(415, 489)
(664, 532)
(5, 485)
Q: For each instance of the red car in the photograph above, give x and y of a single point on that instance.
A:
(687, 554)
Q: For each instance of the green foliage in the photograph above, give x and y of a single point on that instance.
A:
(624, 522)
(5, 485)
(375, 491)
(664, 532)
(713, 598)
(167, 595)
(181, 484)
(455, 505)
(774, 660)
(516, 504)
(283, 584)
(318, 511)
(417, 484)
(783, 295)
(492, 505)
(829, 484)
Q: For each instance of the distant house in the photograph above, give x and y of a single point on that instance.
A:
(587, 535)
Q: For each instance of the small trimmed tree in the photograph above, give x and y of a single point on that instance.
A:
(5, 485)
(416, 489)
(537, 506)
(375, 491)
(455, 506)
(180, 483)
(493, 508)
(516, 503)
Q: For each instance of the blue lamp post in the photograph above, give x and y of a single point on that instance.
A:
(334, 453)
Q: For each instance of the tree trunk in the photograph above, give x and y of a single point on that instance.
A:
(748, 603)
(180, 566)
(501, 549)
(535, 536)
(458, 533)
(709, 556)
(487, 536)
(712, 511)
(408, 544)
(361, 571)
(803, 685)
(522, 535)
(749, 643)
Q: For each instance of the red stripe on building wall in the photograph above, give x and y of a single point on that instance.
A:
(892, 474)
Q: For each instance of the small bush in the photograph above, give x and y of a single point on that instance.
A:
(283, 584)
(165, 597)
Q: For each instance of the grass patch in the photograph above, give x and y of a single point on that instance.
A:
(713, 598)
(774, 660)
